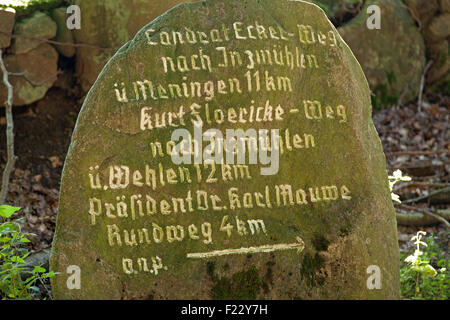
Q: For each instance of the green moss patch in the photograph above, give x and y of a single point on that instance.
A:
(244, 285)
(27, 7)
(309, 271)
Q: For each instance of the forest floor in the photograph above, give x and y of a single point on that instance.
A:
(415, 140)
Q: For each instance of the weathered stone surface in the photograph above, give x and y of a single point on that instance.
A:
(439, 28)
(441, 62)
(195, 226)
(332, 7)
(7, 18)
(426, 12)
(423, 10)
(121, 19)
(39, 65)
(63, 34)
(39, 25)
(445, 5)
(392, 57)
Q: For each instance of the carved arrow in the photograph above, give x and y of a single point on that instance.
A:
(299, 245)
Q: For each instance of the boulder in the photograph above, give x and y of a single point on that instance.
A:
(314, 221)
(423, 10)
(63, 34)
(39, 25)
(439, 28)
(120, 21)
(393, 62)
(445, 5)
(441, 62)
(39, 66)
(7, 18)
(433, 21)
(334, 7)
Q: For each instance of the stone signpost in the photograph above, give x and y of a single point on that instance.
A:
(156, 202)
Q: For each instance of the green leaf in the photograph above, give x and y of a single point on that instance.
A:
(52, 274)
(7, 227)
(17, 259)
(24, 240)
(38, 269)
(7, 211)
(429, 271)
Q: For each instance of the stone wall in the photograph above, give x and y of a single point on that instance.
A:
(433, 19)
(28, 40)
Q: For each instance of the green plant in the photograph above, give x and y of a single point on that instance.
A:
(13, 267)
(419, 277)
(27, 7)
(396, 177)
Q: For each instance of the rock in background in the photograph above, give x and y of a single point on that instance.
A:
(445, 5)
(63, 33)
(7, 17)
(433, 18)
(335, 8)
(393, 57)
(110, 24)
(33, 62)
(39, 25)
(39, 65)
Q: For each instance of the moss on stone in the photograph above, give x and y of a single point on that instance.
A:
(268, 277)
(392, 61)
(382, 97)
(26, 8)
(244, 285)
(310, 268)
(333, 7)
(210, 267)
(270, 263)
(320, 243)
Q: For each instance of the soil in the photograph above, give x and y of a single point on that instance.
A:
(42, 137)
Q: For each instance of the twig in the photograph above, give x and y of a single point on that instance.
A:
(402, 96)
(34, 84)
(400, 185)
(444, 133)
(9, 133)
(432, 193)
(407, 218)
(85, 45)
(419, 23)
(429, 213)
(414, 153)
(422, 83)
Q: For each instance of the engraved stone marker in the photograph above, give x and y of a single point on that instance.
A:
(306, 215)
